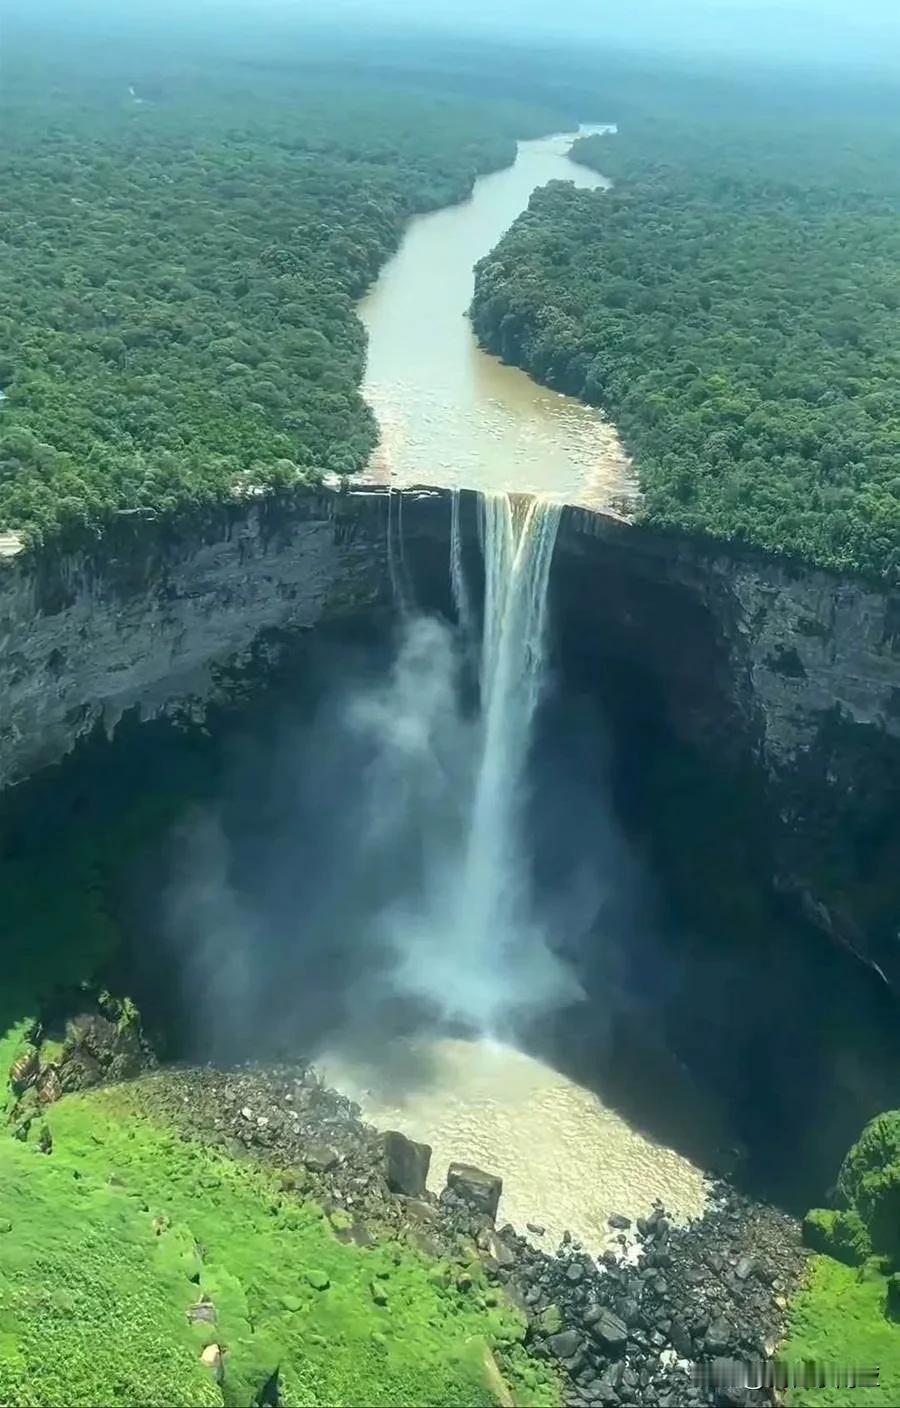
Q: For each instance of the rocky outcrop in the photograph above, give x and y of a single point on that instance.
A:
(160, 616)
(406, 1164)
(802, 645)
(772, 671)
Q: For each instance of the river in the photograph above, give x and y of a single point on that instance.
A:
(450, 414)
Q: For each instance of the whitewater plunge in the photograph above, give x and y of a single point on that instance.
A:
(469, 943)
(466, 938)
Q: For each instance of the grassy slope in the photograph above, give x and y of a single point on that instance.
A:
(838, 1319)
(116, 1233)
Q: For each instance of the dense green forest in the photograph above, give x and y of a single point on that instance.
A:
(182, 245)
(733, 303)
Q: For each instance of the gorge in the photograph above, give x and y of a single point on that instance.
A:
(675, 703)
(449, 910)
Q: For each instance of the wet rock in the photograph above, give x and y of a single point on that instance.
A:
(575, 1272)
(607, 1387)
(720, 1336)
(629, 1311)
(49, 1085)
(499, 1250)
(406, 1164)
(536, 1228)
(202, 1313)
(610, 1330)
(479, 1190)
(213, 1359)
(680, 1340)
(565, 1344)
(619, 1222)
(550, 1320)
(23, 1071)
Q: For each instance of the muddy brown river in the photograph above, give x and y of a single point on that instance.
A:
(450, 414)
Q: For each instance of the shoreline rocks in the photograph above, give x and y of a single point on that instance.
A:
(675, 1325)
(670, 1316)
(407, 1164)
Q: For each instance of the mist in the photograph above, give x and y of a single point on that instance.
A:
(803, 33)
(403, 853)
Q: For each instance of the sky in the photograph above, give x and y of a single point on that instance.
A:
(821, 31)
(834, 29)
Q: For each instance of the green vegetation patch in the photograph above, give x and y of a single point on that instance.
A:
(733, 303)
(847, 1314)
(181, 253)
(842, 1235)
(128, 1251)
(869, 1181)
(839, 1320)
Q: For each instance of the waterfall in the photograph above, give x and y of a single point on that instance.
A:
(469, 940)
(460, 590)
(518, 537)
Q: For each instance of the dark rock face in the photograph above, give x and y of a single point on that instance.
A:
(101, 1044)
(406, 1164)
(791, 674)
(770, 670)
(796, 671)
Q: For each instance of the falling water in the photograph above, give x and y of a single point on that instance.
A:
(458, 586)
(518, 538)
(449, 793)
(471, 942)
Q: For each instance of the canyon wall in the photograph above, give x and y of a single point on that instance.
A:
(792, 673)
(151, 616)
(771, 670)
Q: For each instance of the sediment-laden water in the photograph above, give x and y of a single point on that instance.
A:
(567, 1161)
(450, 414)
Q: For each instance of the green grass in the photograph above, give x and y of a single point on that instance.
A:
(124, 1226)
(838, 1319)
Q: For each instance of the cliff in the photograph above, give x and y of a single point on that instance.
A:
(793, 674)
(773, 671)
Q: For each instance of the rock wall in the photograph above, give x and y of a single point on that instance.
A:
(149, 616)
(795, 672)
(791, 672)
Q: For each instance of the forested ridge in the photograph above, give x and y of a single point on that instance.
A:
(180, 251)
(733, 303)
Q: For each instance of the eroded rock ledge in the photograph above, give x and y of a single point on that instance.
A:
(792, 672)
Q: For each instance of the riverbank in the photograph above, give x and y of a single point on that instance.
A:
(257, 1236)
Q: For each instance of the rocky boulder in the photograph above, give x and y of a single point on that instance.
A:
(406, 1164)
(479, 1190)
